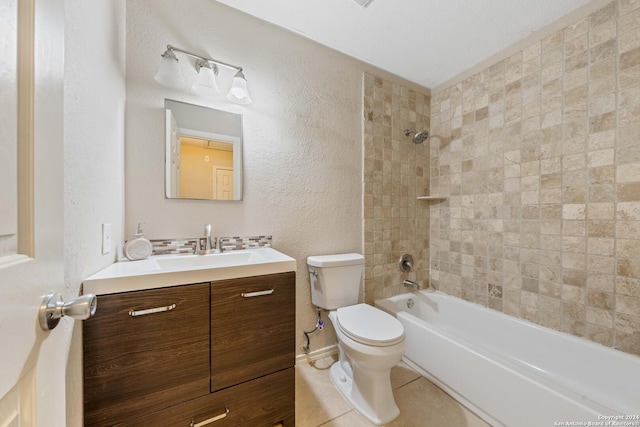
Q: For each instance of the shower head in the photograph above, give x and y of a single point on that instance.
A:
(418, 137)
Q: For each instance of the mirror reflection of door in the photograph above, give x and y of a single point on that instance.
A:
(199, 161)
(224, 183)
(199, 140)
(172, 155)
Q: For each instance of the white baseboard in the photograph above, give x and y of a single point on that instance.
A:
(317, 354)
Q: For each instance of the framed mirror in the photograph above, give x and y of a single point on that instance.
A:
(203, 153)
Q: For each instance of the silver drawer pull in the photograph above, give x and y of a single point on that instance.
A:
(257, 293)
(210, 420)
(134, 313)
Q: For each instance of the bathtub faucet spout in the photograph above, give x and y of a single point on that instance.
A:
(411, 284)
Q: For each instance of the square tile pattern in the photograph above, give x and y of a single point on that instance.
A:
(396, 172)
(539, 155)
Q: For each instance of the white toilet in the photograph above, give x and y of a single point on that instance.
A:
(370, 341)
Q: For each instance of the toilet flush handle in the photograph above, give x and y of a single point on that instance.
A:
(313, 272)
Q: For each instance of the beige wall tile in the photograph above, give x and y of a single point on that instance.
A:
(577, 45)
(629, 40)
(628, 286)
(395, 222)
(627, 305)
(628, 192)
(627, 324)
(629, 21)
(601, 158)
(576, 29)
(630, 76)
(628, 211)
(603, 32)
(628, 268)
(601, 246)
(601, 335)
(600, 317)
(627, 342)
(552, 41)
(540, 154)
(628, 248)
(601, 211)
(606, 14)
(574, 211)
(628, 5)
(602, 140)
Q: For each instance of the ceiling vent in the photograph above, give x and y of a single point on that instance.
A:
(363, 3)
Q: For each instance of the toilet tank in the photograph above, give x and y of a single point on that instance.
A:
(336, 280)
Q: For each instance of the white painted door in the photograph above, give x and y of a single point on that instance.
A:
(224, 183)
(33, 362)
(172, 156)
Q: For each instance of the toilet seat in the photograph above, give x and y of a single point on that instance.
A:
(368, 325)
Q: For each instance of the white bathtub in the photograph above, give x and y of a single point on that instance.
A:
(512, 372)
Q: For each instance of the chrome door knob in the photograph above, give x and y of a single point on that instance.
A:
(53, 309)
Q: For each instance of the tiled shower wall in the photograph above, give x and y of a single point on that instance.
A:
(396, 171)
(540, 157)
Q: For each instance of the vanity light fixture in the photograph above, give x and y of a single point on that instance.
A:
(169, 75)
(238, 92)
(363, 3)
(205, 84)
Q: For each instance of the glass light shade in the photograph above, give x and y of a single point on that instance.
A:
(205, 84)
(238, 92)
(169, 72)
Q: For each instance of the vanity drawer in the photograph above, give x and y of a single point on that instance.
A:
(252, 328)
(145, 351)
(263, 402)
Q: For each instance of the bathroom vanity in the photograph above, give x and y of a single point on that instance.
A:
(211, 352)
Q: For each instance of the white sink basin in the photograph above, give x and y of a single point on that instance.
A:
(171, 270)
(225, 259)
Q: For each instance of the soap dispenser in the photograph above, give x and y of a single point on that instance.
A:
(139, 247)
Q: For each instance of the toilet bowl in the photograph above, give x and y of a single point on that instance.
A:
(370, 341)
(362, 373)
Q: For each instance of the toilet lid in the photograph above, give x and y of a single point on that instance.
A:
(369, 325)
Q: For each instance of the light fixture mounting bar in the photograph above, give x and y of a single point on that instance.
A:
(363, 3)
(202, 58)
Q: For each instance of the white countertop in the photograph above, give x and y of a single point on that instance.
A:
(171, 270)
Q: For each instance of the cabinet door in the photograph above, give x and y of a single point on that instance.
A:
(145, 351)
(264, 402)
(252, 328)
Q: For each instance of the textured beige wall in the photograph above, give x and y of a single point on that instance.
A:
(93, 156)
(540, 155)
(302, 136)
(396, 172)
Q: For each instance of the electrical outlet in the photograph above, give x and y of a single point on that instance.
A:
(106, 239)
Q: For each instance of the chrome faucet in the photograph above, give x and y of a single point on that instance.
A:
(207, 242)
(207, 238)
(411, 284)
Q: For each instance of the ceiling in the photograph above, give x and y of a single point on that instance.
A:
(425, 41)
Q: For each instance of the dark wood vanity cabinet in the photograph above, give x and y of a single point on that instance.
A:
(252, 328)
(142, 349)
(218, 354)
(263, 402)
